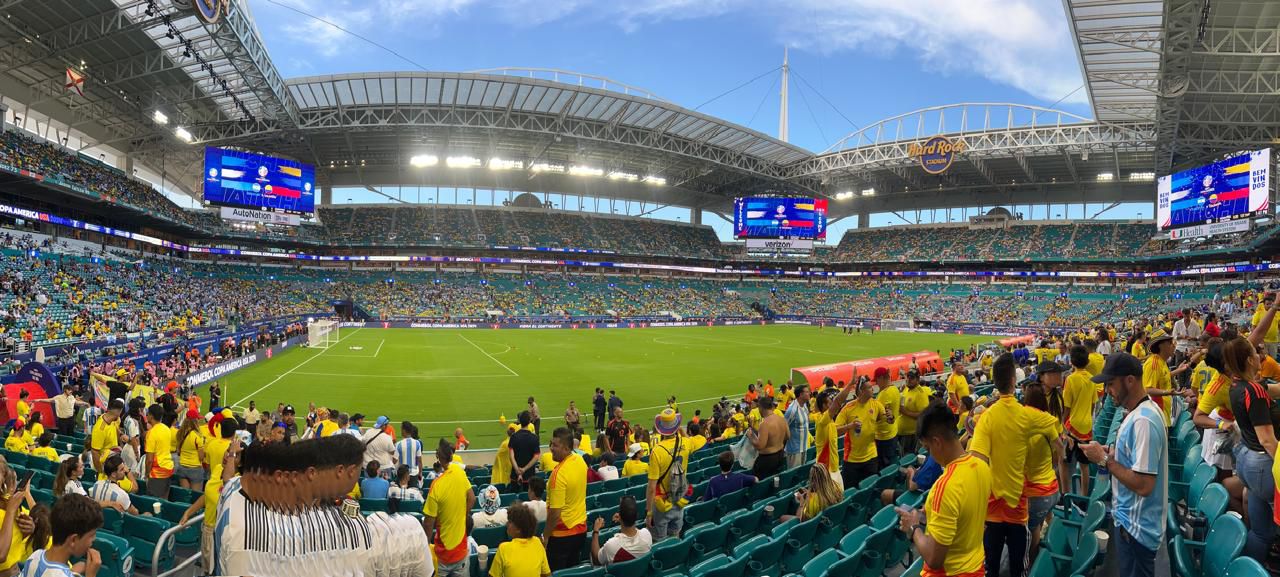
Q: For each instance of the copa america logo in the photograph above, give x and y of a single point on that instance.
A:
(209, 11)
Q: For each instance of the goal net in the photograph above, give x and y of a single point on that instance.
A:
(322, 333)
(896, 324)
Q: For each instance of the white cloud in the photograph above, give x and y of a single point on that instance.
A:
(326, 39)
(1025, 44)
(1020, 43)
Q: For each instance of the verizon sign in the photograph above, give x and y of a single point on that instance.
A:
(260, 216)
(779, 244)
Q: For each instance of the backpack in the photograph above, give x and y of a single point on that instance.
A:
(675, 478)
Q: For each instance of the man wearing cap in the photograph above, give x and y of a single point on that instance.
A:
(379, 447)
(797, 417)
(668, 462)
(287, 416)
(887, 430)
(1156, 376)
(915, 399)
(1138, 465)
(356, 424)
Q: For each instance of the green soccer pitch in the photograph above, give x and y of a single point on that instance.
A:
(441, 378)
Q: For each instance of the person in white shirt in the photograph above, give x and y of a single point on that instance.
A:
(252, 416)
(1186, 333)
(107, 491)
(606, 470)
(537, 495)
(629, 542)
(379, 447)
(401, 489)
(409, 449)
(491, 514)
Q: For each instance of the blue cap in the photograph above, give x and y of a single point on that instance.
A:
(382, 422)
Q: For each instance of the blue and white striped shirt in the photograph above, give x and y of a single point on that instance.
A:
(409, 453)
(1141, 446)
(38, 566)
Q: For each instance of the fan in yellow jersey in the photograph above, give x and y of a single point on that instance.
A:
(1272, 337)
(826, 438)
(857, 421)
(105, 436)
(1156, 376)
(566, 532)
(1044, 459)
(951, 544)
(914, 400)
(957, 386)
(445, 512)
(887, 430)
(1078, 398)
(1002, 438)
(1213, 409)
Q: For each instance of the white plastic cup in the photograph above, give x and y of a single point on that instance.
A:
(482, 552)
(920, 459)
(768, 511)
(68, 447)
(155, 507)
(1102, 537)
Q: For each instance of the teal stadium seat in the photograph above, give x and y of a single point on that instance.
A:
(1211, 557)
(670, 556)
(143, 534)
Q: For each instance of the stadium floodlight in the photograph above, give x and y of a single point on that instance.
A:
(579, 170)
(1106, 177)
(655, 180)
(496, 163)
(462, 162)
(868, 192)
(182, 134)
(547, 167)
(159, 117)
(627, 176)
(423, 160)
(1142, 176)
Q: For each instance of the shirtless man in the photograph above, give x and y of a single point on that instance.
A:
(769, 440)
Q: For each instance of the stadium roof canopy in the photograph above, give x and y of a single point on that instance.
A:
(1169, 83)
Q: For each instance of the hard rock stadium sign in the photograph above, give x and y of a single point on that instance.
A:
(937, 153)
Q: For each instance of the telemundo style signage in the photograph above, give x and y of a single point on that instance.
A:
(937, 153)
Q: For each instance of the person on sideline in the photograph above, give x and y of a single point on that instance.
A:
(956, 507)
(1139, 468)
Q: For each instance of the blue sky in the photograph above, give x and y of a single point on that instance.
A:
(870, 59)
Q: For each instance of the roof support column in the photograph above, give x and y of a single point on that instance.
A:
(326, 195)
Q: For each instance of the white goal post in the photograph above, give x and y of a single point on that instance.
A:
(896, 324)
(322, 333)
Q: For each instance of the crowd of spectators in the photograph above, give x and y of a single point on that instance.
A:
(1020, 242)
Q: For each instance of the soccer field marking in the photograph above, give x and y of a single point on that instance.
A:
(561, 417)
(743, 343)
(504, 351)
(491, 357)
(661, 342)
(367, 376)
(296, 367)
(373, 356)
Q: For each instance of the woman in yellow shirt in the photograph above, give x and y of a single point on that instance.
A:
(821, 493)
(35, 428)
(190, 441)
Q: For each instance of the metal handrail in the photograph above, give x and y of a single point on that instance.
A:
(172, 533)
